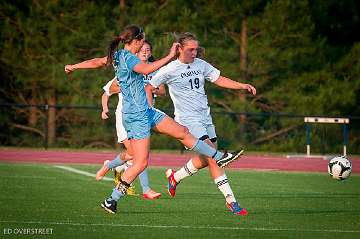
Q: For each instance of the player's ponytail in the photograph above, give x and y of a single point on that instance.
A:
(126, 36)
(111, 50)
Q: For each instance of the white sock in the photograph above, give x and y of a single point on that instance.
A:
(222, 183)
(186, 171)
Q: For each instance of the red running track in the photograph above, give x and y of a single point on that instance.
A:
(255, 162)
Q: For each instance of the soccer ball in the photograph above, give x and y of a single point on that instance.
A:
(339, 168)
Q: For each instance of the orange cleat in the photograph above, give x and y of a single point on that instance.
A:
(171, 182)
(104, 169)
(151, 195)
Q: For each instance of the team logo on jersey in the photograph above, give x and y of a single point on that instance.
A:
(190, 73)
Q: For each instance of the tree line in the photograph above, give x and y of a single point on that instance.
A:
(302, 56)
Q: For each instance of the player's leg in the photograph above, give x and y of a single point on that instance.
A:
(123, 156)
(138, 127)
(118, 161)
(169, 127)
(196, 163)
(140, 158)
(221, 180)
(148, 193)
(118, 171)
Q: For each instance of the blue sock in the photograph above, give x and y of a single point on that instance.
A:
(205, 149)
(144, 181)
(115, 195)
(115, 162)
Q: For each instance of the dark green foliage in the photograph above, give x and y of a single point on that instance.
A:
(302, 56)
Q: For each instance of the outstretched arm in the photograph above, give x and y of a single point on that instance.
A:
(230, 84)
(145, 68)
(88, 64)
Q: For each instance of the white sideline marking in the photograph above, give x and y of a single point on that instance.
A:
(24, 176)
(182, 227)
(74, 170)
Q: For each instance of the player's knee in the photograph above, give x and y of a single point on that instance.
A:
(204, 160)
(140, 166)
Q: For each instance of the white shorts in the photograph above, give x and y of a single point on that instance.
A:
(200, 125)
(120, 130)
(199, 130)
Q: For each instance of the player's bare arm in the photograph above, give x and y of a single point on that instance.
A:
(114, 88)
(149, 93)
(230, 84)
(104, 104)
(145, 68)
(88, 64)
(160, 91)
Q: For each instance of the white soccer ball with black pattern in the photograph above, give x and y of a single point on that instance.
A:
(339, 167)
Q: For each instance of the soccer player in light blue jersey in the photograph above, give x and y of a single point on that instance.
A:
(186, 78)
(122, 161)
(145, 55)
(138, 117)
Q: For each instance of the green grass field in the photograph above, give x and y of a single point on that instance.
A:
(280, 205)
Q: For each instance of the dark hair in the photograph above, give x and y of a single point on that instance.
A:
(151, 58)
(200, 52)
(130, 33)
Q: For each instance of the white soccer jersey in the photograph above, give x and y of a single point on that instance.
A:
(120, 130)
(186, 86)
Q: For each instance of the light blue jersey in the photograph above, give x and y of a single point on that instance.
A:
(138, 116)
(130, 82)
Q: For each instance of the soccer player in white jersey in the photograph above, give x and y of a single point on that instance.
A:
(185, 78)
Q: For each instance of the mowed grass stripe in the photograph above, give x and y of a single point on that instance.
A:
(74, 170)
(280, 204)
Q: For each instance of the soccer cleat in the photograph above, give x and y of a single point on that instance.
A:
(109, 206)
(229, 158)
(171, 182)
(236, 209)
(131, 190)
(104, 169)
(151, 195)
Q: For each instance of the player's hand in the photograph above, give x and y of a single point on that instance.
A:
(69, 69)
(174, 49)
(104, 115)
(250, 88)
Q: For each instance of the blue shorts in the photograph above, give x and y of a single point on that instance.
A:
(139, 124)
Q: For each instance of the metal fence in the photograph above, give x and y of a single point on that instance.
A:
(81, 127)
